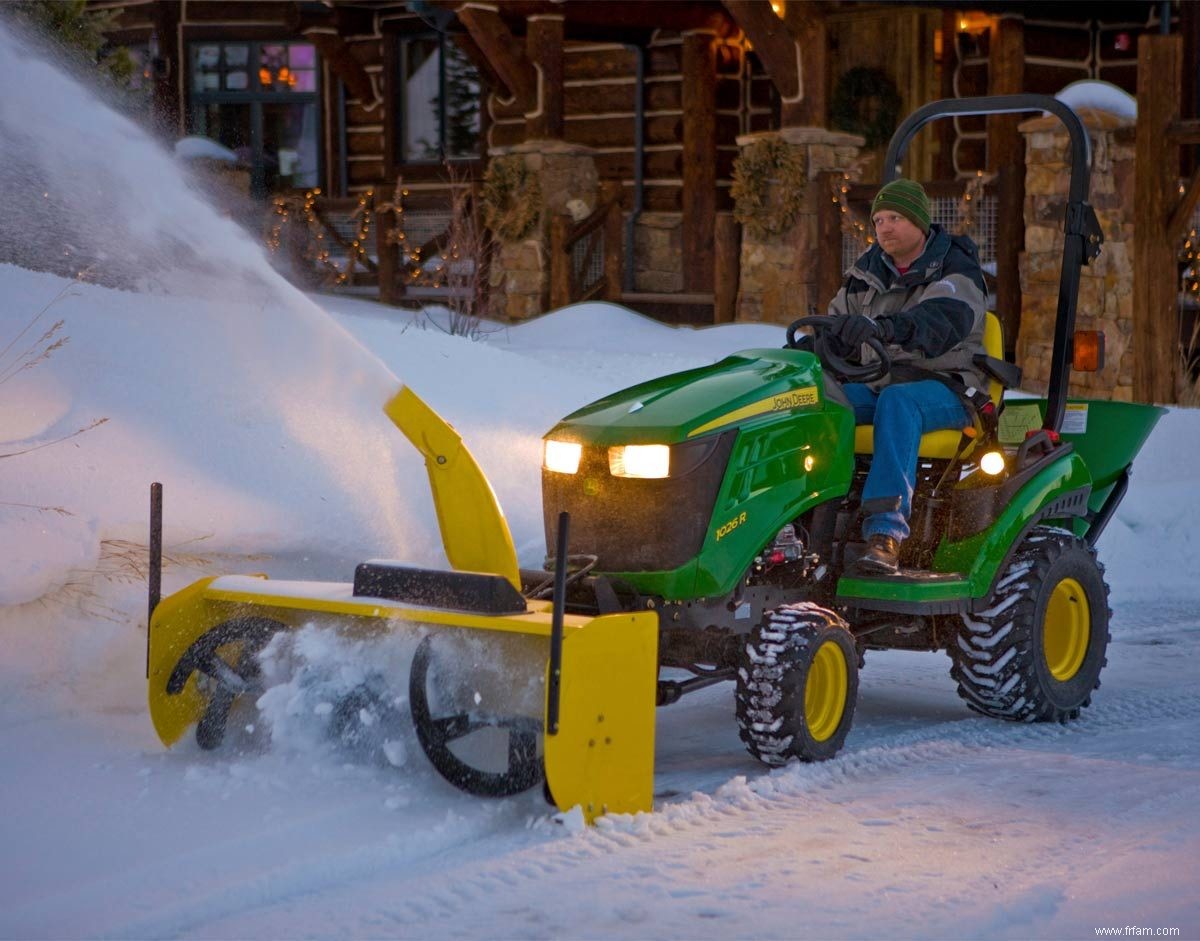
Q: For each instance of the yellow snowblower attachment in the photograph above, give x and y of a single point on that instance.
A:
(596, 676)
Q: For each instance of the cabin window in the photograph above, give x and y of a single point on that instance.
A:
(438, 101)
(260, 100)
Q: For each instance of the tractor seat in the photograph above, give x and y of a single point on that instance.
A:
(944, 444)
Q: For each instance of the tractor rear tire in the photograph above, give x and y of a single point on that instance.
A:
(1035, 654)
(797, 685)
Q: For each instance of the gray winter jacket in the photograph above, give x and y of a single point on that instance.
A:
(937, 308)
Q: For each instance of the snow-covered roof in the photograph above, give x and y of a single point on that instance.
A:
(201, 148)
(1102, 96)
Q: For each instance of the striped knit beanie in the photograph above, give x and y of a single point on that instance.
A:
(907, 198)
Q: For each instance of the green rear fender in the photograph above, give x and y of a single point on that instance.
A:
(981, 556)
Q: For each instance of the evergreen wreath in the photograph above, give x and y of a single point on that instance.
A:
(763, 209)
(511, 197)
(866, 102)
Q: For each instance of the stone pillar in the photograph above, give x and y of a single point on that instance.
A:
(519, 279)
(1106, 285)
(779, 273)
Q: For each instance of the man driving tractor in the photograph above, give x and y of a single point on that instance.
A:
(920, 292)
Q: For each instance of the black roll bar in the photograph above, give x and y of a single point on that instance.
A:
(1083, 234)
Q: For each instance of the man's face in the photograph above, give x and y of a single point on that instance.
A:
(897, 236)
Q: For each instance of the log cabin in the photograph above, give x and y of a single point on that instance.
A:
(631, 115)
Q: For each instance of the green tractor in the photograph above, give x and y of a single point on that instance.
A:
(703, 524)
(728, 498)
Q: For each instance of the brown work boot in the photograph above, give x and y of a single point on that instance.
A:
(881, 558)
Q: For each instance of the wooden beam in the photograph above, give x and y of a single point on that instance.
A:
(728, 242)
(560, 262)
(778, 51)
(700, 167)
(1006, 158)
(829, 239)
(943, 167)
(502, 50)
(321, 28)
(806, 22)
(1184, 132)
(1155, 275)
(336, 52)
(1183, 211)
(544, 46)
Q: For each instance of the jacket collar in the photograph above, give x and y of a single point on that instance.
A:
(877, 268)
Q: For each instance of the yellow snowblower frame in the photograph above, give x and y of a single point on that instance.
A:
(601, 672)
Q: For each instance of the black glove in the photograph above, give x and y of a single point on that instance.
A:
(856, 329)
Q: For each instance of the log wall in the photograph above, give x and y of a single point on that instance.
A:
(1057, 53)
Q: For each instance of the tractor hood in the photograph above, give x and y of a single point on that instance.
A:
(683, 406)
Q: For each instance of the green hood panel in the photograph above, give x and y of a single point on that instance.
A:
(675, 408)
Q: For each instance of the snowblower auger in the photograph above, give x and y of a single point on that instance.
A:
(595, 677)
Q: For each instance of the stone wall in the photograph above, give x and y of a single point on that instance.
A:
(658, 252)
(779, 273)
(1106, 285)
(520, 274)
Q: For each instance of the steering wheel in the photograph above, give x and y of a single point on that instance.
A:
(840, 366)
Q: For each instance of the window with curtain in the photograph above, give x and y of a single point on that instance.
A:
(260, 100)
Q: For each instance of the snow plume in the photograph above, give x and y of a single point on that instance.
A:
(86, 188)
(90, 195)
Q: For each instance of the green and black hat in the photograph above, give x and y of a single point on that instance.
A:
(907, 198)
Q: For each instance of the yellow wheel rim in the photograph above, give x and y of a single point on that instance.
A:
(1067, 629)
(825, 691)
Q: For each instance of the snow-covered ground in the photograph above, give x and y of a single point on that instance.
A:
(260, 411)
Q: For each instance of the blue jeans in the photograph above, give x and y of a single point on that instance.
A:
(901, 413)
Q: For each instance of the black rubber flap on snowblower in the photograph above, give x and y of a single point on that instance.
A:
(476, 592)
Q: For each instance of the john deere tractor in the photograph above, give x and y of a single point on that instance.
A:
(701, 530)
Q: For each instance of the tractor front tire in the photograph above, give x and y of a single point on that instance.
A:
(797, 685)
(1036, 652)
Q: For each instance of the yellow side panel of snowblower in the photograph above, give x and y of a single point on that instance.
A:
(603, 755)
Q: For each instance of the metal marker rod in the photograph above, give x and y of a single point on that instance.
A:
(556, 624)
(154, 575)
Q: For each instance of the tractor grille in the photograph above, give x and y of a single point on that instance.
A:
(636, 525)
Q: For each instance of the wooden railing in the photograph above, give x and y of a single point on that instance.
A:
(434, 245)
(586, 257)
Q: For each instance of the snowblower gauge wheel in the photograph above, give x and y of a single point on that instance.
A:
(226, 657)
(524, 767)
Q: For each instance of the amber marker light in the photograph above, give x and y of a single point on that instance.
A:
(562, 457)
(1087, 351)
(640, 460)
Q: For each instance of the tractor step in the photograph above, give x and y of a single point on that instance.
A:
(909, 591)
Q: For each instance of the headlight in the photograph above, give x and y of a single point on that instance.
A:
(992, 463)
(639, 460)
(561, 456)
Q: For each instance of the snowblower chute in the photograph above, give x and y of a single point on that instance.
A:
(598, 754)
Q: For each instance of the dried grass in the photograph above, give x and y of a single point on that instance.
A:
(1188, 383)
(127, 562)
